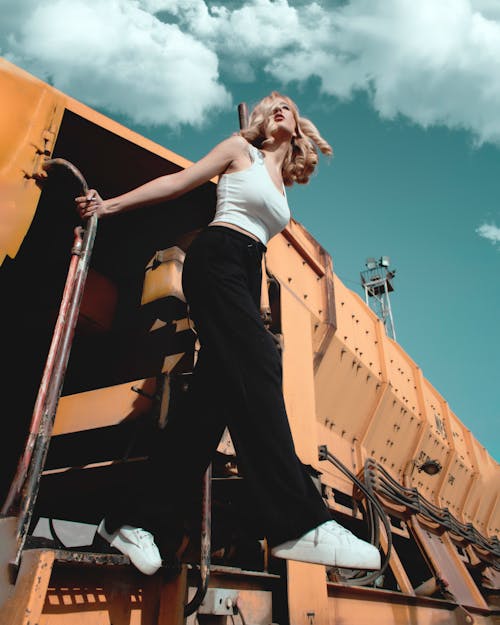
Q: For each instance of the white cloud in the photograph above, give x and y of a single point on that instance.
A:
(435, 62)
(490, 232)
(114, 54)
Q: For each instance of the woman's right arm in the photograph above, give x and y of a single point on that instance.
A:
(165, 187)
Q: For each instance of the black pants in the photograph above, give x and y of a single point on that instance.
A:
(237, 382)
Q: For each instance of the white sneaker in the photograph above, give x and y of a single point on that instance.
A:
(332, 545)
(137, 544)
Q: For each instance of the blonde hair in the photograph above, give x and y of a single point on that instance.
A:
(302, 156)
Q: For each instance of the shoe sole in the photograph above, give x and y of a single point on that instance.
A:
(317, 556)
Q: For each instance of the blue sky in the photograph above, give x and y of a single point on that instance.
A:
(408, 94)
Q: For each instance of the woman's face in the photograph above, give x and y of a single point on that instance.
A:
(283, 116)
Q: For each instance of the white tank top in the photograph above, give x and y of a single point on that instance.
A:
(250, 199)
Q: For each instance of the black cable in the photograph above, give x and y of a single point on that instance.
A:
(386, 486)
(240, 614)
(374, 511)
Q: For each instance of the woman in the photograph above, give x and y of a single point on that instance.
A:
(237, 380)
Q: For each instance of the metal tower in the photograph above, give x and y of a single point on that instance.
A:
(376, 280)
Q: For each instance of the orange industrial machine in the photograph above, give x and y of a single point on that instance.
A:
(97, 351)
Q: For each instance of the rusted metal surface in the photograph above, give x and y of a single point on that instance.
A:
(32, 461)
(173, 599)
(362, 605)
(205, 544)
(448, 567)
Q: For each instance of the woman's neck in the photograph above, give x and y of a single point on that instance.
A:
(276, 153)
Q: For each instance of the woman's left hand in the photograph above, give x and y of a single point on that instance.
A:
(90, 204)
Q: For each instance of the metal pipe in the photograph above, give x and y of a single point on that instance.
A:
(27, 479)
(205, 547)
(243, 115)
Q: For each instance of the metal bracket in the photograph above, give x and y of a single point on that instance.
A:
(219, 601)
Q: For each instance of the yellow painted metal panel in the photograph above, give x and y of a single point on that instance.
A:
(298, 379)
(103, 407)
(356, 327)
(297, 275)
(393, 433)
(401, 373)
(307, 594)
(460, 442)
(30, 117)
(435, 412)
(346, 391)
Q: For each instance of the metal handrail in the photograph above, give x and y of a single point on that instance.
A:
(23, 492)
